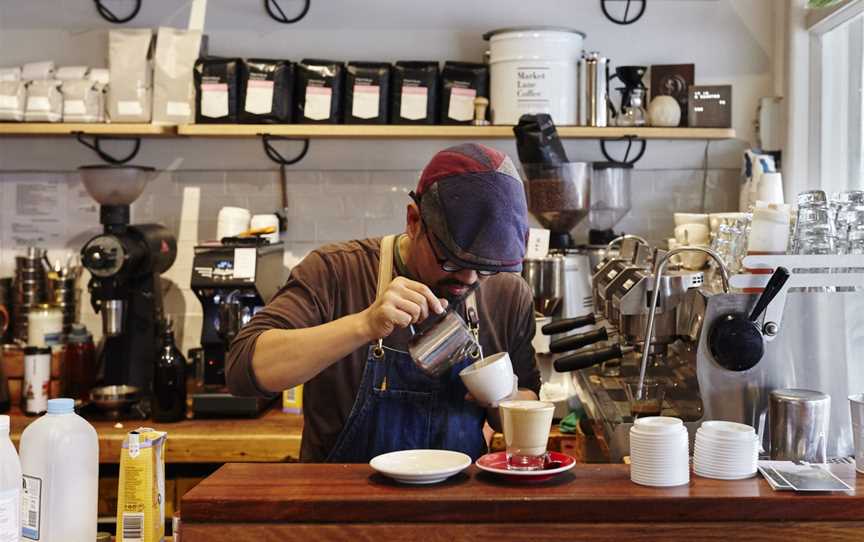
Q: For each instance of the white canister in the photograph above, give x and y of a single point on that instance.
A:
(232, 221)
(44, 326)
(533, 70)
(266, 221)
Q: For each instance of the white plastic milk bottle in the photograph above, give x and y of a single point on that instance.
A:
(60, 464)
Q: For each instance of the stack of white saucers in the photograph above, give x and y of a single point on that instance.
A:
(725, 451)
(659, 452)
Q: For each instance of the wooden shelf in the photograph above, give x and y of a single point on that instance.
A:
(348, 131)
(59, 129)
(395, 131)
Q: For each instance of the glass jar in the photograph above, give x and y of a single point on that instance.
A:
(79, 364)
(634, 114)
(44, 326)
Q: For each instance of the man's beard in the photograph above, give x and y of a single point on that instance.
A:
(441, 290)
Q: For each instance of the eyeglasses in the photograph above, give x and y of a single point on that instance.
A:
(446, 265)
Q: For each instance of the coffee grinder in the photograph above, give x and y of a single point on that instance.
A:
(559, 198)
(233, 279)
(125, 262)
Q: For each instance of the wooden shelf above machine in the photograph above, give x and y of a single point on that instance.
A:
(348, 131)
(62, 128)
(398, 131)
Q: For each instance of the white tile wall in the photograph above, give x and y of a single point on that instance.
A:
(334, 205)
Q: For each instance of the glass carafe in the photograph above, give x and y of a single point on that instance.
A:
(633, 114)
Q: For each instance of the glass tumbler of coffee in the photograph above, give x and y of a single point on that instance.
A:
(526, 427)
(650, 402)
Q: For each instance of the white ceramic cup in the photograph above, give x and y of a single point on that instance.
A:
(694, 260)
(232, 221)
(526, 427)
(490, 379)
(690, 218)
(692, 234)
(266, 221)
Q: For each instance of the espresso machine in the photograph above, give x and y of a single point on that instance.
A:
(233, 279)
(125, 262)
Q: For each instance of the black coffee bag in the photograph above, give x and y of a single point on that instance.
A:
(461, 82)
(216, 90)
(266, 91)
(537, 140)
(318, 91)
(414, 93)
(367, 89)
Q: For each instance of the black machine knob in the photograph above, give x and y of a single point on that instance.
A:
(103, 255)
(583, 360)
(735, 340)
(579, 340)
(568, 324)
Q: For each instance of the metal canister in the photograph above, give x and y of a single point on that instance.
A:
(37, 376)
(593, 89)
(798, 427)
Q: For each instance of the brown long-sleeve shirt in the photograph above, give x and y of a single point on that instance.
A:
(340, 279)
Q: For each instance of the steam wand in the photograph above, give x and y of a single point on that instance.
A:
(658, 274)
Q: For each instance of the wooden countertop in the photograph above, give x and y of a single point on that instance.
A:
(596, 501)
(272, 437)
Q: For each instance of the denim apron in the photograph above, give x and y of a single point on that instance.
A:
(399, 407)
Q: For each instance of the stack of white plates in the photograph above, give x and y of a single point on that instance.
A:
(725, 451)
(659, 452)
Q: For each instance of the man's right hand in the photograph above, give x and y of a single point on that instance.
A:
(405, 302)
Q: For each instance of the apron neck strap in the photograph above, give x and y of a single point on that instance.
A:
(385, 264)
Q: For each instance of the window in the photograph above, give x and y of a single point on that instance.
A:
(837, 101)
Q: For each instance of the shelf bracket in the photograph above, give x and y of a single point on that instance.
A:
(111, 17)
(276, 156)
(624, 20)
(96, 146)
(273, 7)
(629, 139)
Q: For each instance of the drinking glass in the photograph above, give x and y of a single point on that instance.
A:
(730, 241)
(526, 426)
(855, 232)
(814, 231)
(650, 403)
(811, 204)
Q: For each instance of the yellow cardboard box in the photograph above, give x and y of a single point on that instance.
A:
(292, 400)
(141, 489)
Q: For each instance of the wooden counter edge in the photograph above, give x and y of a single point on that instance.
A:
(519, 532)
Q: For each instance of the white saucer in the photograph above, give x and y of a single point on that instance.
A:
(420, 466)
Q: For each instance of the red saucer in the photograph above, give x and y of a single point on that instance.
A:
(496, 463)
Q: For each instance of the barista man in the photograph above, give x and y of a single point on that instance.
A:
(467, 224)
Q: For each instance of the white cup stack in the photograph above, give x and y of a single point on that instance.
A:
(659, 452)
(725, 451)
